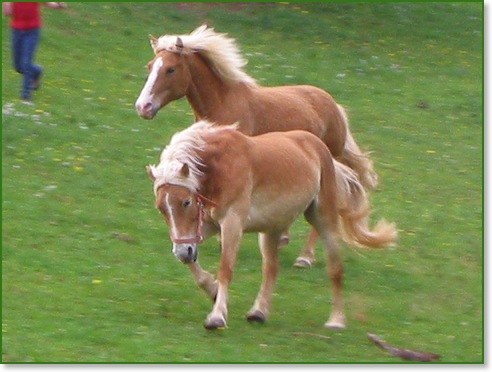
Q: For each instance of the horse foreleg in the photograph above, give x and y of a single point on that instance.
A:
(204, 280)
(307, 257)
(269, 251)
(231, 233)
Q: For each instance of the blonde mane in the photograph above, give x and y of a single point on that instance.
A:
(183, 149)
(219, 50)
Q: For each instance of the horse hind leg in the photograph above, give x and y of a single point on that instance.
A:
(269, 251)
(284, 239)
(325, 222)
(306, 258)
(337, 318)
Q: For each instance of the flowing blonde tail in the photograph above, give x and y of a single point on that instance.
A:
(354, 211)
(353, 157)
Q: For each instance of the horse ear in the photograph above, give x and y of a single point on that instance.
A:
(185, 170)
(150, 172)
(153, 42)
(179, 45)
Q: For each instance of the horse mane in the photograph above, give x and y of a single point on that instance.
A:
(183, 149)
(219, 50)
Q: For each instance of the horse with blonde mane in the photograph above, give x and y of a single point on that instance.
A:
(207, 68)
(214, 179)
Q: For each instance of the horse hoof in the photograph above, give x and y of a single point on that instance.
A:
(256, 316)
(303, 263)
(335, 325)
(336, 321)
(217, 323)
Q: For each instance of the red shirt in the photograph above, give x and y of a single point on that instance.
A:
(26, 16)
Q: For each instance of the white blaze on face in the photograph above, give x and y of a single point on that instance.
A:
(170, 216)
(146, 94)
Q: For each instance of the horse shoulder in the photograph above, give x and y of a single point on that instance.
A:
(227, 168)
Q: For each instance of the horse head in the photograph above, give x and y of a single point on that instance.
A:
(202, 66)
(183, 212)
(168, 78)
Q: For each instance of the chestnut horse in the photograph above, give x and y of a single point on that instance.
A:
(206, 67)
(214, 179)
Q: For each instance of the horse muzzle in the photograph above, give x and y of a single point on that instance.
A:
(147, 110)
(186, 253)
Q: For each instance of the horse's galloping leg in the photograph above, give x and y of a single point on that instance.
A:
(335, 271)
(269, 251)
(323, 217)
(307, 257)
(231, 233)
(204, 279)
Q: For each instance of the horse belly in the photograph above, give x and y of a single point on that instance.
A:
(287, 178)
(276, 213)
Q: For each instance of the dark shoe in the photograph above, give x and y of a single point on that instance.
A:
(36, 84)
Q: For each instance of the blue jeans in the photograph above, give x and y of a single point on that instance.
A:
(24, 44)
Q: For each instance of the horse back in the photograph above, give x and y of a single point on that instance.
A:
(229, 154)
(294, 151)
(299, 107)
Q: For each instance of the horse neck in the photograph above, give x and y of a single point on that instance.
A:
(208, 92)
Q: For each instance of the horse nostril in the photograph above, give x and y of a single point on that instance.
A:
(147, 106)
(190, 251)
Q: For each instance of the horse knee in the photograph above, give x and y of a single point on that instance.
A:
(210, 287)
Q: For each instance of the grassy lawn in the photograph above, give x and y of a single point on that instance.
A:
(87, 269)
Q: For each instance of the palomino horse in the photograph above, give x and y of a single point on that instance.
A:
(217, 180)
(206, 67)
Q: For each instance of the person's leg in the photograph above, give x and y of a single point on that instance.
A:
(17, 48)
(31, 71)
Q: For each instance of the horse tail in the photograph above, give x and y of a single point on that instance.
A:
(353, 157)
(354, 211)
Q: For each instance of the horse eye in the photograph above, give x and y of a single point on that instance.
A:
(170, 70)
(186, 203)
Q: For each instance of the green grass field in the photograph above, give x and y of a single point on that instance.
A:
(87, 269)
